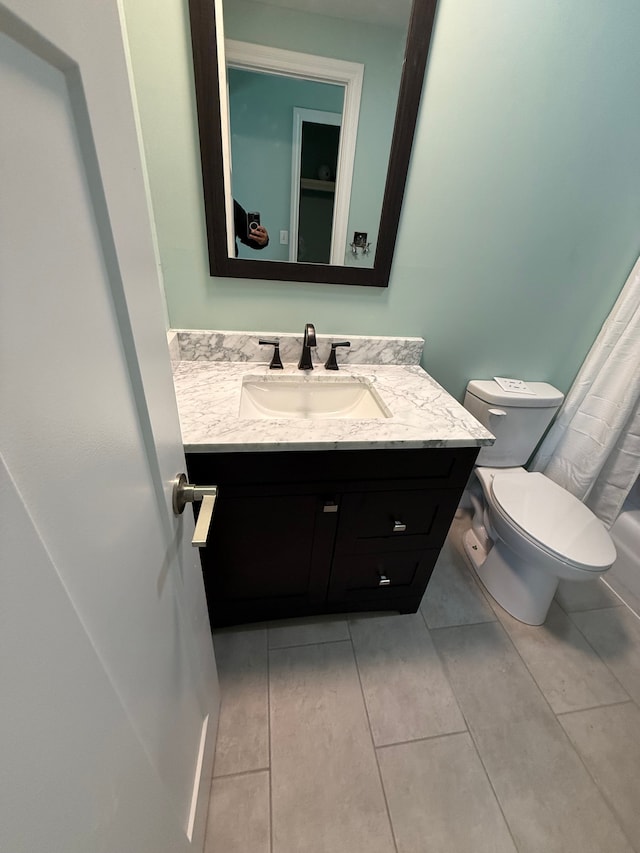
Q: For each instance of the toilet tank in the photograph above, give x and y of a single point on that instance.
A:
(518, 421)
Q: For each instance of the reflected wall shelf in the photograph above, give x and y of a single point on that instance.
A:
(319, 186)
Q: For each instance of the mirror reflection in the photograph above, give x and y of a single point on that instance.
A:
(285, 163)
(309, 152)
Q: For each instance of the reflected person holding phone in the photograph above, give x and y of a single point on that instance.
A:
(248, 228)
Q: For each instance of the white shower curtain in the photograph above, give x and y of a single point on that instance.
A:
(593, 448)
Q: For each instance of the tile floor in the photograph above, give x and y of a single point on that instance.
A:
(450, 730)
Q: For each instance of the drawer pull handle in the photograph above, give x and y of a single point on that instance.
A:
(330, 506)
(384, 581)
(399, 527)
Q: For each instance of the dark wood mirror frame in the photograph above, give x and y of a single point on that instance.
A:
(205, 62)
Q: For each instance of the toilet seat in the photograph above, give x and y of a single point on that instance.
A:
(553, 520)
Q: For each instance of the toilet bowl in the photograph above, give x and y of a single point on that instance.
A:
(530, 534)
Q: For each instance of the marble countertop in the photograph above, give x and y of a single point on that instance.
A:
(423, 414)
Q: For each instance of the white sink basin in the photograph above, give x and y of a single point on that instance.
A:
(314, 397)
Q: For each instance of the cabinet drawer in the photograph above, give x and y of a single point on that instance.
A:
(395, 520)
(382, 575)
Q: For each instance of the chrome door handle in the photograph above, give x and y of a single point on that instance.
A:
(184, 493)
(201, 533)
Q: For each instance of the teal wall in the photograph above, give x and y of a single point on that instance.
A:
(521, 218)
(261, 113)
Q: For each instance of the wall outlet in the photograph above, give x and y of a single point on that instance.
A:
(284, 238)
(360, 239)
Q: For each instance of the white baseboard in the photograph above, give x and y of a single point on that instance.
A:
(202, 786)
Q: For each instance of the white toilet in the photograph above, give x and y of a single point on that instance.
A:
(527, 532)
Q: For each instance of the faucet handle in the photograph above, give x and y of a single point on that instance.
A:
(276, 361)
(332, 363)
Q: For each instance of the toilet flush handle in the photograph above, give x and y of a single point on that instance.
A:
(496, 414)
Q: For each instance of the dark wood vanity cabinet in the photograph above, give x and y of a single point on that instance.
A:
(298, 533)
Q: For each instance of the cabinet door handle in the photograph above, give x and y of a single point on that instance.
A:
(330, 506)
(399, 527)
(184, 493)
(384, 581)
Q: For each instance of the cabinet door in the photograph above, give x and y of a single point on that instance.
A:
(267, 556)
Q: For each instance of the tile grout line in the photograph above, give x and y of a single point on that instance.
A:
(240, 773)
(591, 646)
(422, 739)
(457, 625)
(495, 793)
(609, 804)
(312, 643)
(628, 701)
(473, 740)
(373, 745)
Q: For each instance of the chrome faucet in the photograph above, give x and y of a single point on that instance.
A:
(308, 341)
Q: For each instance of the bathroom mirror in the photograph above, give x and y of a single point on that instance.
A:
(212, 95)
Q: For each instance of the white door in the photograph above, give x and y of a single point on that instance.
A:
(108, 690)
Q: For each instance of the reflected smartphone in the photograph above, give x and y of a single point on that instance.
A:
(253, 221)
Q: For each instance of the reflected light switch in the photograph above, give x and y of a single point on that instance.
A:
(284, 238)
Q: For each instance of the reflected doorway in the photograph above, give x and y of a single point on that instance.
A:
(316, 144)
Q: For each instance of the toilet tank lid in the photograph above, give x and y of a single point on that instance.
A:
(545, 395)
